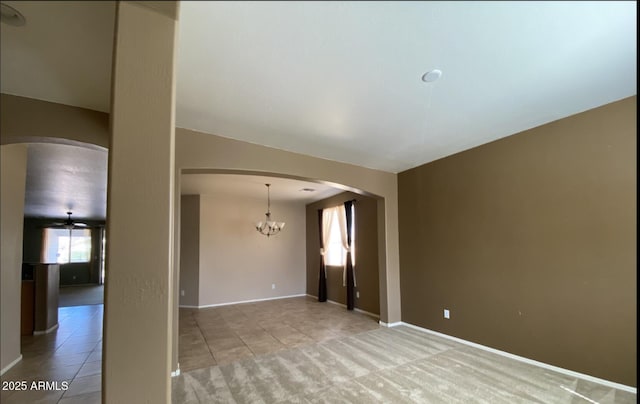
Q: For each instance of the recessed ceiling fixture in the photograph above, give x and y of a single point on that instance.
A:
(11, 16)
(432, 75)
(269, 227)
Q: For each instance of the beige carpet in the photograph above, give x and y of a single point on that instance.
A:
(398, 365)
(81, 295)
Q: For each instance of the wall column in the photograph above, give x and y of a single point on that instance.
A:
(14, 174)
(139, 285)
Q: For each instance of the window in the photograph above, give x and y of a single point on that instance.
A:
(63, 246)
(336, 254)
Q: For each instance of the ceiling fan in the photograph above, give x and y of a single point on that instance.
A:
(69, 223)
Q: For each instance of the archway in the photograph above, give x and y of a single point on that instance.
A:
(232, 201)
(200, 152)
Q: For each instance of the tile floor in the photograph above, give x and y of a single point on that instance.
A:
(72, 354)
(81, 295)
(387, 365)
(246, 340)
(224, 334)
(208, 337)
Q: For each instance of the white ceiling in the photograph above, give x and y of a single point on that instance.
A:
(253, 186)
(62, 54)
(341, 80)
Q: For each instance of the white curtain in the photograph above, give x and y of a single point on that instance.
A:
(327, 219)
(342, 220)
(328, 216)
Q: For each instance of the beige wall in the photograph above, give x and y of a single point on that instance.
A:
(189, 250)
(13, 176)
(139, 288)
(195, 150)
(530, 242)
(205, 152)
(239, 264)
(366, 250)
(26, 120)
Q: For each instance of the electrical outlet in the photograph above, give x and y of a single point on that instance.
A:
(182, 292)
(273, 286)
(358, 295)
(446, 313)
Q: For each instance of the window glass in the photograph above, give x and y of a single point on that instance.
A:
(335, 254)
(63, 246)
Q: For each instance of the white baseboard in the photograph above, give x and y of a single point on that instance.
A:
(176, 372)
(355, 309)
(47, 331)
(374, 315)
(9, 366)
(397, 323)
(567, 372)
(344, 305)
(242, 301)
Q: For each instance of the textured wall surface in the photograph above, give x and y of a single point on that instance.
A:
(530, 242)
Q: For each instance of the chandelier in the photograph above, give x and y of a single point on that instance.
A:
(269, 227)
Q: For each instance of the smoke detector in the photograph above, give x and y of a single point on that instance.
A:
(431, 76)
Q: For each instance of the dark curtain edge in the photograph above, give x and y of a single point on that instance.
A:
(322, 273)
(350, 278)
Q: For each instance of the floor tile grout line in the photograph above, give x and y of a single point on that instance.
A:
(48, 357)
(205, 342)
(335, 384)
(357, 379)
(99, 342)
(250, 316)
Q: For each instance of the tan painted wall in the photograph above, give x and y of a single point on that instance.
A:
(530, 241)
(189, 250)
(139, 288)
(366, 250)
(195, 150)
(230, 154)
(239, 264)
(13, 172)
(24, 120)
